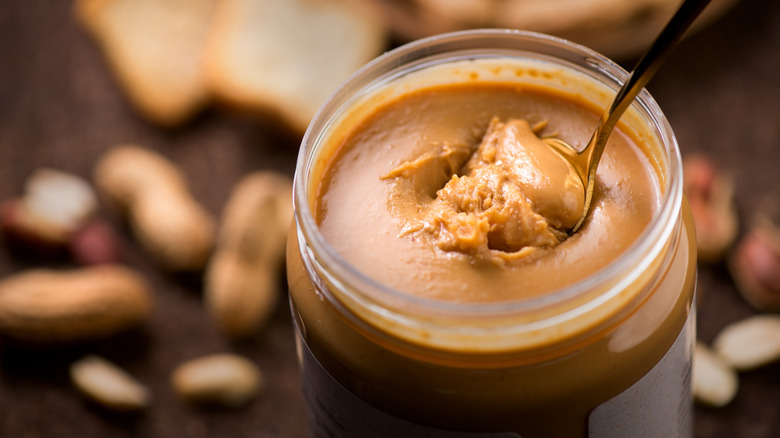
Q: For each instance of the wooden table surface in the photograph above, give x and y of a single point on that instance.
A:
(60, 107)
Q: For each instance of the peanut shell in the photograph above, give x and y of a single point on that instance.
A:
(166, 219)
(241, 281)
(48, 306)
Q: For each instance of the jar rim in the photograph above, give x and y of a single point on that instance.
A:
(508, 42)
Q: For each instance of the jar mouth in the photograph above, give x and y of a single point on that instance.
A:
(473, 44)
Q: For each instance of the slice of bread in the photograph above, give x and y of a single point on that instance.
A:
(285, 57)
(620, 29)
(155, 48)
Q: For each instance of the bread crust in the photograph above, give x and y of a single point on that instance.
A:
(286, 57)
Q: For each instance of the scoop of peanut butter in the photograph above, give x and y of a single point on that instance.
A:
(512, 194)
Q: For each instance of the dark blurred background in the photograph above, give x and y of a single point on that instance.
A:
(61, 107)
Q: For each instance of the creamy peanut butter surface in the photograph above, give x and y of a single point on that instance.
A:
(450, 193)
(513, 194)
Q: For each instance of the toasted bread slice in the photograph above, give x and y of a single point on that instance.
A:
(286, 57)
(155, 48)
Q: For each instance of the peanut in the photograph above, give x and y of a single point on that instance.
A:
(54, 206)
(94, 244)
(168, 222)
(24, 234)
(47, 306)
(63, 200)
(755, 267)
(711, 197)
(241, 281)
(750, 343)
(105, 383)
(224, 380)
(715, 383)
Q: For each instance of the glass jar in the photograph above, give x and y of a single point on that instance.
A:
(609, 355)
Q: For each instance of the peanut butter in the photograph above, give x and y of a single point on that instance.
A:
(512, 195)
(395, 181)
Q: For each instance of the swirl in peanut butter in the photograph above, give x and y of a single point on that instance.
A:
(496, 202)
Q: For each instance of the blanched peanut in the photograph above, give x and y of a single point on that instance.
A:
(107, 384)
(750, 343)
(715, 383)
(224, 380)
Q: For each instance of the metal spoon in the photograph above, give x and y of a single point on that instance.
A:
(586, 161)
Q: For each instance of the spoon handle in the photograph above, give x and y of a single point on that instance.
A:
(651, 61)
(639, 77)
